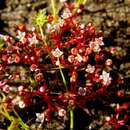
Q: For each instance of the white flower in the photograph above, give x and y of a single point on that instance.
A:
(41, 89)
(108, 62)
(82, 26)
(95, 45)
(79, 58)
(90, 68)
(21, 104)
(99, 41)
(96, 48)
(33, 40)
(108, 118)
(57, 53)
(61, 112)
(66, 14)
(71, 58)
(20, 88)
(105, 77)
(82, 91)
(40, 117)
(21, 36)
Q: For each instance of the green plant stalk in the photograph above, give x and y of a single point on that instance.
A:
(54, 10)
(71, 119)
(21, 121)
(62, 75)
(3, 96)
(43, 38)
(12, 119)
(14, 124)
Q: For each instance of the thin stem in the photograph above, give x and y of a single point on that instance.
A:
(21, 121)
(62, 75)
(3, 96)
(43, 37)
(54, 9)
(71, 119)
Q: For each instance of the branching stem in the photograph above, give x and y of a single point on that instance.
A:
(62, 75)
(54, 9)
(43, 37)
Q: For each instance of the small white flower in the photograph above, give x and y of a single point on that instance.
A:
(57, 53)
(66, 14)
(95, 45)
(82, 91)
(20, 88)
(71, 58)
(79, 11)
(100, 40)
(96, 48)
(105, 77)
(61, 113)
(33, 40)
(21, 36)
(40, 117)
(90, 68)
(21, 104)
(79, 58)
(41, 89)
(108, 62)
(108, 118)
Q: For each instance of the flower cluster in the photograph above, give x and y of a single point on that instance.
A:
(30, 70)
